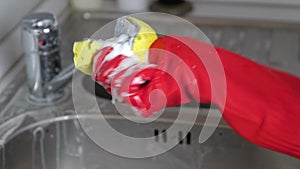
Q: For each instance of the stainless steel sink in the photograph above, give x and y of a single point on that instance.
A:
(61, 143)
(45, 139)
(36, 136)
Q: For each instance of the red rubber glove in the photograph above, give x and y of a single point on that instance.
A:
(261, 103)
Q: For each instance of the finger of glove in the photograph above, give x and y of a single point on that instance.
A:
(103, 68)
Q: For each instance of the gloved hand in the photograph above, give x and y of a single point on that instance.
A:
(173, 76)
(262, 104)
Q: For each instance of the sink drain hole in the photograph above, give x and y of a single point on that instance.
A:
(188, 138)
(156, 135)
(161, 135)
(180, 137)
(164, 136)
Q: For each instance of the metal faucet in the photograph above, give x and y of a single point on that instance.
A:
(41, 44)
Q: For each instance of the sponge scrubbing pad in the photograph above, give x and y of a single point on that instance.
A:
(84, 51)
(144, 38)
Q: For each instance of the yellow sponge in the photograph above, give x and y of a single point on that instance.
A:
(83, 55)
(144, 38)
(84, 51)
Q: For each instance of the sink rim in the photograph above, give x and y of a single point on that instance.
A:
(7, 136)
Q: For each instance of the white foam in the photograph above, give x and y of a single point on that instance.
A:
(121, 46)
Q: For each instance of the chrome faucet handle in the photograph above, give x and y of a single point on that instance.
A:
(60, 79)
(41, 44)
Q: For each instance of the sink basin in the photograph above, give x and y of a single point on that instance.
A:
(51, 137)
(45, 139)
(59, 140)
(62, 143)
